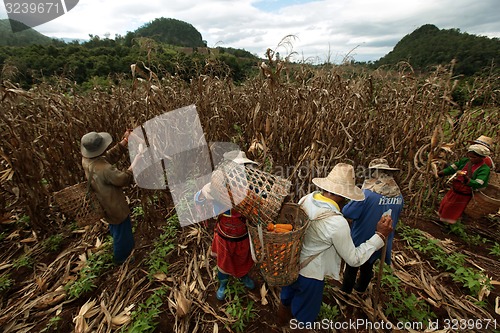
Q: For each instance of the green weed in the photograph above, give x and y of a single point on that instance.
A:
(53, 243)
(23, 261)
(97, 263)
(52, 325)
(241, 311)
(495, 250)
(157, 261)
(329, 312)
(144, 318)
(5, 283)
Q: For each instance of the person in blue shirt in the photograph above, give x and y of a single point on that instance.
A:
(381, 194)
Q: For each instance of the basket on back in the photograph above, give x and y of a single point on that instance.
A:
(80, 203)
(255, 194)
(487, 200)
(279, 253)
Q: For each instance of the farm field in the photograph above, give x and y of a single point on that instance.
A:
(297, 123)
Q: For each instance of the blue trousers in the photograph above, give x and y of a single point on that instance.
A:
(305, 297)
(123, 240)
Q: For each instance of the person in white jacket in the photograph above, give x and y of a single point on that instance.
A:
(326, 242)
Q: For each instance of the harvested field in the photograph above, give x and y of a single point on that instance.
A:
(297, 123)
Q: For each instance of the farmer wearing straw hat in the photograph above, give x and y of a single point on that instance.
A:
(381, 194)
(230, 244)
(107, 182)
(472, 174)
(488, 143)
(326, 242)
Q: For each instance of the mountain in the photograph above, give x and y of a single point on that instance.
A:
(25, 37)
(428, 46)
(171, 31)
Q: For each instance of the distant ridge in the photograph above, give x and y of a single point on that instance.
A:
(429, 46)
(26, 37)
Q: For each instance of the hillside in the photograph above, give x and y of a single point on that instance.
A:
(25, 37)
(428, 46)
(171, 31)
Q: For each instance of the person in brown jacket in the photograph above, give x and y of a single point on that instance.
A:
(107, 182)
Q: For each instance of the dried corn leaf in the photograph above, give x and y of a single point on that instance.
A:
(263, 294)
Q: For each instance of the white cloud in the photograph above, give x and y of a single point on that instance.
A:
(325, 28)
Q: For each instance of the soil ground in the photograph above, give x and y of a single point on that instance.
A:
(265, 316)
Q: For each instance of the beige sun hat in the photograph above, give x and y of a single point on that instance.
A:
(238, 156)
(341, 181)
(94, 144)
(483, 140)
(381, 164)
(479, 149)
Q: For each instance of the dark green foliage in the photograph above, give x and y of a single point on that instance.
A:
(429, 46)
(171, 31)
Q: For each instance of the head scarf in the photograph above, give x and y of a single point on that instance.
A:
(383, 183)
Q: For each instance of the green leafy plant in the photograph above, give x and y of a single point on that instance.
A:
(24, 221)
(327, 311)
(241, 311)
(137, 211)
(495, 250)
(404, 306)
(23, 261)
(144, 318)
(52, 325)
(96, 264)
(459, 229)
(157, 262)
(53, 243)
(454, 263)
(5, 282)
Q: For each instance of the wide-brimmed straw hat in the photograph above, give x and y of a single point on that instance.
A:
(381, 164)
(341, 181)
(237, 156)
(479, 149)
(483, 140)
(94, 144)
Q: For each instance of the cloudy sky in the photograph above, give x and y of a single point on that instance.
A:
(324, 30)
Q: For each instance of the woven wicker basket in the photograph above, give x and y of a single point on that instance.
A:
(486, 201)
(255, 194)
(279, 253)
(79, 203)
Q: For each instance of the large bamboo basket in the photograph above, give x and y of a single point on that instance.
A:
(255, 194)
(278, 254)
(80, 203)
(485, 201)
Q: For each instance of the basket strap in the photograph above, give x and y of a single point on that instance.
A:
(321, 216)
(261, 240)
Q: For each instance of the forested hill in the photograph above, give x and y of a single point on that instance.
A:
(429, 46)
(22, 38)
